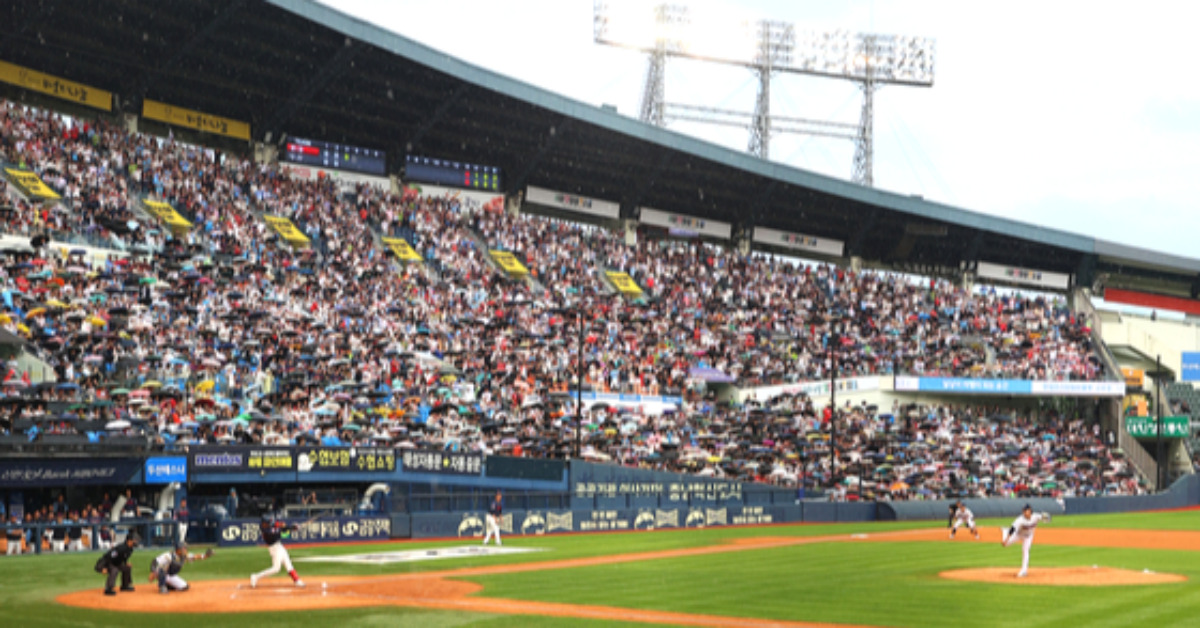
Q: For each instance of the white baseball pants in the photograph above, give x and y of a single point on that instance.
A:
(493, 527)
(279, 558)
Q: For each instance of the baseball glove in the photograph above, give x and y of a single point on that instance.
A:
(209, 553)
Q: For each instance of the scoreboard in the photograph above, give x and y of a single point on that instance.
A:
(452, 173)
(335, 156)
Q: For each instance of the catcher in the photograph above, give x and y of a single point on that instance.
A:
(166, 567)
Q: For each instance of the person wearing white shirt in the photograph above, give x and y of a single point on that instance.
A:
(1022, 528)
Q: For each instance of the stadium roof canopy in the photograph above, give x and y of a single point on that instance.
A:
(300, 68)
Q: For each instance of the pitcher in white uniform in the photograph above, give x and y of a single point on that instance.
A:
(1023, 528)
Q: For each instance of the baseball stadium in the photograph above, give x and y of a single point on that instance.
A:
(306, 323)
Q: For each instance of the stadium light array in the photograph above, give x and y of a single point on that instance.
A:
(766, 47)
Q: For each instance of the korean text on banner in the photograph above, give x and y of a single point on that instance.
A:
(287, 230)
(1147, 427)
(55, 86)
(1190, 371)
(402, 249)
(624, 283)
(195, 120)
(31, 184)
(509, 263)
(166, 213)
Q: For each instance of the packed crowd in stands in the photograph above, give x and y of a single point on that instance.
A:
(226, 332)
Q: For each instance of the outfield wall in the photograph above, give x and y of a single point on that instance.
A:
(1184, 493)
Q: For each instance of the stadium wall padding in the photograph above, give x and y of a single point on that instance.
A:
(938, 509)
(1185, 492)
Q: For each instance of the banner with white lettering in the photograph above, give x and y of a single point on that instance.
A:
(237, 532)
(1024, 276)
(798, 241)
(682, 222)
(572, 202)
(35, 472)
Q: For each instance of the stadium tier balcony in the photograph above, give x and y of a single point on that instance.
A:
(225, 331)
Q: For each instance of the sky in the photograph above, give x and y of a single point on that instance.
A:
(1082, 116)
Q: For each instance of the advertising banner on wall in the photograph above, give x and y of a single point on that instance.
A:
(798, 241)
(537, 522)
(1190, 370)
(55, 86)
(239, 532)
(34, 472)
(624, 283)
(509, 263)
(1025, 276)
(166, 213)
(650, 404)
(572, 202)
(402, 249)
(356, 459)
(234, 459)
(812, 389)
(31, 184)
(437, 461)
(197, 120)
(345, 179)
(287, 230)
(968, 386)
(165, 469)
(699, 226)
(1146, 427)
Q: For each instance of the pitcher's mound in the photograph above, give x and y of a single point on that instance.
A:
(1064, 576)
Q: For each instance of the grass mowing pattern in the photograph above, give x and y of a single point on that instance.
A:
(887, 584)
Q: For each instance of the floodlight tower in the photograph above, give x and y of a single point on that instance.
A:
(868, 60)
(776, 40)
(654, 93)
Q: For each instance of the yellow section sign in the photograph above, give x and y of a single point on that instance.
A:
(31, 184)
(402, 249)
(195, 120)
(1134, 378)
(509, 263)
(287, 230)
(55, 86)
(167, 214)
(624, 283)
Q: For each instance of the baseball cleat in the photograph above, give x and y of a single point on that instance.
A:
(127, 589)
(163, 590)
(1022, 574)
(109, 592)
(299, 584)
(253, 581)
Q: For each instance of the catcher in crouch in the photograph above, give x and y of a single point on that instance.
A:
(166, 567)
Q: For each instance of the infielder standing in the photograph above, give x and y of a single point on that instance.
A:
(166, 567)
(1023, 528)
(272, 535)
(963, 517)
(495, 509)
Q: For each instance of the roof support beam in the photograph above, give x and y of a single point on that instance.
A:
(219, 22)
(438, 114)
(332, 68)
(854, 248)
(555, 132)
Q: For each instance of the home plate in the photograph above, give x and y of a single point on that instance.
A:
(411, 556)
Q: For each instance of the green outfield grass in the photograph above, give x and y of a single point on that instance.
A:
(881, 583)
